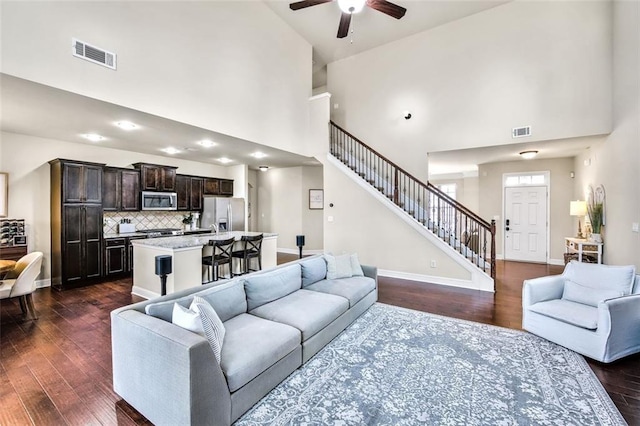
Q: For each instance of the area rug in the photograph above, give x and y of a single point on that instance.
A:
(396, 366)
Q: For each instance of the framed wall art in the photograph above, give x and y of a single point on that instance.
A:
(4, 194)
(316, 199)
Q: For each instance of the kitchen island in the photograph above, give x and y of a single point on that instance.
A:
(186, 252)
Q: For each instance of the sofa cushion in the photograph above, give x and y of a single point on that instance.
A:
(601, 276)
(308, 311)
(213, 328)
(272, 285)
(313, 270)
(353, 289)
(252, 345)
(228, 300)
(578, 314)
(575, 292)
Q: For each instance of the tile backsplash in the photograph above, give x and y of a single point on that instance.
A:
(143, 220)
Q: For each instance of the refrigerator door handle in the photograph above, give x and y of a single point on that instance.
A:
(230, 217)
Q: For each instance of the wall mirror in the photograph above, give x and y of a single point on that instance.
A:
(4, 192)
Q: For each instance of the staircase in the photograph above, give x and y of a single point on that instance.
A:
(466, 232)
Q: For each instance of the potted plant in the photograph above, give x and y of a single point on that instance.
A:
(186, 221)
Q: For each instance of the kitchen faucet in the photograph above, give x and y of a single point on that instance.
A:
(215, 228)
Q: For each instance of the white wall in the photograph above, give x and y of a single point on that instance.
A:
(362, 224)
(283, 206)
(232, 67)
(26, 159)
(614, 162)
(467, 83)
(560, 195)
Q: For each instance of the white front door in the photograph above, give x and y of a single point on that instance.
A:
(525, 224)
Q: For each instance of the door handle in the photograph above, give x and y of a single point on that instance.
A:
(507, 228)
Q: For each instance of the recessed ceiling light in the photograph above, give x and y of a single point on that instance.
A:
(224, 160)
(126, 125)
(206, 143)
(259, 154)
(171, 150)
(528, 155)
(263, 168)
(93, 137)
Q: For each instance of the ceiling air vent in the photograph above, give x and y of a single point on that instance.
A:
(93, 54)
(521, 132)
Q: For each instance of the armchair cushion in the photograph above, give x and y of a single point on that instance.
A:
(575, 292)
(599, 276)
(578, 314)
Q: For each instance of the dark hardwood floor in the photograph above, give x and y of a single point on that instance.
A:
(57, 370)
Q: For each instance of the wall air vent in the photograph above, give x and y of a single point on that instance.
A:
(521, 132)
(93, 54)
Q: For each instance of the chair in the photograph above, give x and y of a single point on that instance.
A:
(21, 282)
(220, 255)
(591, 309)
(251, 248)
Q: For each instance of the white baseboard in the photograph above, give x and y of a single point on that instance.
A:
(452, 282)
(142, 292)
(43, 283)
(296, 251)
(556, 262)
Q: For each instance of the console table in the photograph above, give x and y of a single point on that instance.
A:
(583, 247)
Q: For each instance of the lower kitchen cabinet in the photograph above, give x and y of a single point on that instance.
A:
(115, 256)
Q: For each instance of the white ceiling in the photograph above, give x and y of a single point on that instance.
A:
(465, 162)
(35, 109)
(370, 28)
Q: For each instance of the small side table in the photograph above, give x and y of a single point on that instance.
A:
(583, 248)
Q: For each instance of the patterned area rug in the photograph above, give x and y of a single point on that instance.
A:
(395, 366)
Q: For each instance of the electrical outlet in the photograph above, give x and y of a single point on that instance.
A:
(329, 218)
(434, 264)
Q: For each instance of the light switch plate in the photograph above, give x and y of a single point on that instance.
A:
(635, 227)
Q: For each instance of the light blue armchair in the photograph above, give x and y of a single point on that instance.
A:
(591, 309)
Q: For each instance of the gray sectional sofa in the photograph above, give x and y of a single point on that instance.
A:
(275, 320)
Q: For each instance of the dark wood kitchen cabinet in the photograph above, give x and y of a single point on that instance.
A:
(226, 187)
(190, 191)
(115, 256)
(76, 223)
(215, 186)
(120, 189)
(154, 177)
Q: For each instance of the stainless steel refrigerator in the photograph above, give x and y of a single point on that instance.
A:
(226, 213)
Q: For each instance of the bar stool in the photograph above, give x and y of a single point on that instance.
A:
(251, 248)
(220, 255)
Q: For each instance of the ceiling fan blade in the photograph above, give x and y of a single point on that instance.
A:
(307, 3)
(343, 28)
(387, 8)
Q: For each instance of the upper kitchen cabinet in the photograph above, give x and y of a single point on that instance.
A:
(155, 177)
(120, 189)
(211, 186)
(215, 186)
(81, 182)
(190, 191)
(226, 187)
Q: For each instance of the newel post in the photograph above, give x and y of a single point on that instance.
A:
(493, 248)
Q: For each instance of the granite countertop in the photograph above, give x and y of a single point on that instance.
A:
(198, 240)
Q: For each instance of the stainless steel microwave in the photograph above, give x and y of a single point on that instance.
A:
(159, 200)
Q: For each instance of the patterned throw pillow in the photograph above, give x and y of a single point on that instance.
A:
(202, 319)
(213, 328)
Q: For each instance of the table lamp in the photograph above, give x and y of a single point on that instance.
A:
(578, 208)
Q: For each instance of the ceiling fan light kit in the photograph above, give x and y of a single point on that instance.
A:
(349, 7)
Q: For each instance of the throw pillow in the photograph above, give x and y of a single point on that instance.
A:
(338, 266)
(575, 292)
(213, 328)
(356, 269)
(187, 318)
(202, 319)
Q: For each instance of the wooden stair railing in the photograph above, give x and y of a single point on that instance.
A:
(451, 221)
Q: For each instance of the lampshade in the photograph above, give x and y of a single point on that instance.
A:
(578, 208)
(351, 6)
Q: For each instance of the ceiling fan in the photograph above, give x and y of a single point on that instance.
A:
(350, 7)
